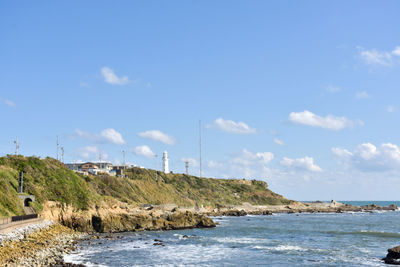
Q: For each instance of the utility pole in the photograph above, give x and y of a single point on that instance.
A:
(62, 151)
(123, 156)
(124, 162)
(200, 146)
(16, 146)
(57, 147)
(187, 167)
(155, 157)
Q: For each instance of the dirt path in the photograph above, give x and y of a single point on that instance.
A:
(9, 227)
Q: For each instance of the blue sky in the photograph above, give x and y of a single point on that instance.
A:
(304, 95)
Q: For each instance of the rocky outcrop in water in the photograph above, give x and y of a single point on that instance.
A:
(233, 213)
(393, 256)
(122, 218)
(123, 222)
(392, 207)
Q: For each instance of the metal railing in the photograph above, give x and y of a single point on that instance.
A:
(17, 218)
(5, 220)
(23, 217)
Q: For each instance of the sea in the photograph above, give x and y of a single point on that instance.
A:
(305, 239)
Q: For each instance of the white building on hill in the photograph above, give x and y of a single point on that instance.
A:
(165, 162)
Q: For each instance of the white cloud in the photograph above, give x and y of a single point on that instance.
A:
(390, 108)
(144, 151)
(362, 94)
(333, 89)
(192, 161)
(248, 158)
(158, 136)
(366, 151)
(88, 152)
(108, 135)
(341, 152)
(233, 127)
(244, 164)
(329, 122)
(112, 136)
(214, 164)
(111, 78)
(279, 142)
(375, 57)
(367, 157)
(396, 51)
(8, 102)
(306, 163)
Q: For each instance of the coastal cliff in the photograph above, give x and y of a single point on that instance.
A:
(137, 201)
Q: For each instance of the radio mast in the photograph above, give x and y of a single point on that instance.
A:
(200, 146)
(16, 146)
(57, 147)
(62, 151)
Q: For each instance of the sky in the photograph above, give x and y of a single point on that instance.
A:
(301, 94)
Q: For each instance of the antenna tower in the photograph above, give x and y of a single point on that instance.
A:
(123, 156)
(62, 151)
(155, 157)
(57, 147)
(16, 146)
(200, 147)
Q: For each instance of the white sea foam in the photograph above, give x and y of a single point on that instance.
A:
(288, 247)
(281, 248)
(240, 240)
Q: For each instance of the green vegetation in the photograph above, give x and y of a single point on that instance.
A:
(48, 179)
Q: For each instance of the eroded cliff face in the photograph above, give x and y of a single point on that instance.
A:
(121, 218)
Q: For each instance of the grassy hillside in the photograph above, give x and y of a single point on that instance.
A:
(48, 179)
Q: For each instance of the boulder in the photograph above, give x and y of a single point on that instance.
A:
(393, 256)
(392, 207)
(234, 213)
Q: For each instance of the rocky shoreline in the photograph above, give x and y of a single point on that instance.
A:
(44, 244)
(298, 207)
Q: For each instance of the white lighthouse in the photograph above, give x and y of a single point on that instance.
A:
(165, 162)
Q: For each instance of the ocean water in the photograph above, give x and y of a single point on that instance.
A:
(330, 239)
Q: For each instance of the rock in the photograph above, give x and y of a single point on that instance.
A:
(393, 256)
(394, 252)
(234, 213)
(392, 207)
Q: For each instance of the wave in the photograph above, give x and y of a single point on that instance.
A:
(368, 233)
(288, 247)
(283, 248)
(240, 240)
